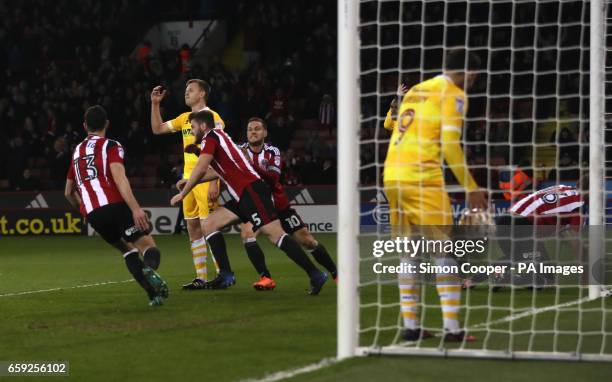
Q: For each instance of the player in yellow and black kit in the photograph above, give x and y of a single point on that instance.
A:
(196, 203)
(425, 131)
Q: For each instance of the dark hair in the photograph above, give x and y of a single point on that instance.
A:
(95, 118)
(260, 120)
(205, 116)
(455, 60)
(202, 84)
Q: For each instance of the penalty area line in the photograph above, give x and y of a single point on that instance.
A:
(64, 288)
(281, 375)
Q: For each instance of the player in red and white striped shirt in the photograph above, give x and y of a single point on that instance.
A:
(252, 200)
(549, 206)
(96, 183)
(534, 218)
(267, 162)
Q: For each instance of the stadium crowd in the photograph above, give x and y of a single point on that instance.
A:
(52, 68)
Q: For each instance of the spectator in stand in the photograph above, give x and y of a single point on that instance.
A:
(134, 139)
(281, 132)
(184, 57)
(251, 42)
(327, 114)
(143, 54)
(309, 170)
(317, 146)
(27, 183)
(251, 105)
(291, 178)
(59, 161)
(328, 173)
(568, 170)
(279, 105)
(568, 144)
(18, 154)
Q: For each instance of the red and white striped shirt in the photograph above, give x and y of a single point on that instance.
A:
(90, 170)
(546, 205)
(228, 161)
(268, 165)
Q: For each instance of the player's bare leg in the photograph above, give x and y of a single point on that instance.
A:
(305, 238)
(276, 235)
(257, 258)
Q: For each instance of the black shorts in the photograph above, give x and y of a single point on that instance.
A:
(291, 220)
(114, 222)
(255, 205)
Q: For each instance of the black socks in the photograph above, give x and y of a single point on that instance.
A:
(135, 265)
(216, 243)
(295, 253)
(152, 257)
(322, 257)
(257, 258)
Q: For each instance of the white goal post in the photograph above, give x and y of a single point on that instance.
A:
(540, 342)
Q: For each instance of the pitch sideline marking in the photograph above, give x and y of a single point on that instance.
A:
(280, 375)
(64, 288)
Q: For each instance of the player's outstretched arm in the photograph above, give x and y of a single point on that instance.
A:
(71, 195)
(197, 176)
(157, 123)
(123, 185)
(208, 177)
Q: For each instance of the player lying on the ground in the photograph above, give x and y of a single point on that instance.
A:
(551, 212)
(97, 185)
(196, 203)
(427, 131)
(266, 161)
(252, 201)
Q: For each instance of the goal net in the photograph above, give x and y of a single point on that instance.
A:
(533, 119)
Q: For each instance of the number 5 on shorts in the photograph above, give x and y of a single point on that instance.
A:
(255, 218)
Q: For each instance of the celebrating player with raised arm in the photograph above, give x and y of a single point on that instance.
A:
(196, 203)
(251, 201)
(96, 183)
(267, 162)
(426, 132)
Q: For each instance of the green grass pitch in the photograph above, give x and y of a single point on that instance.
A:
(108, 332)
